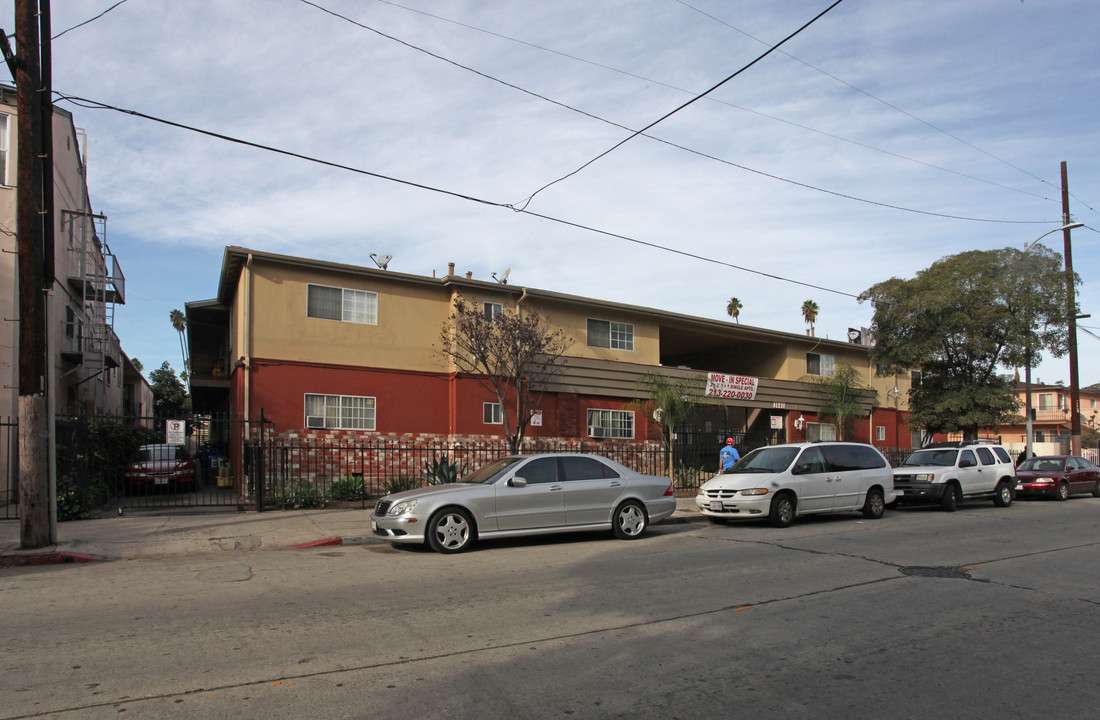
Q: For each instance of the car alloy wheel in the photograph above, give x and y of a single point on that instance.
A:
(450, 531)
(630, 520)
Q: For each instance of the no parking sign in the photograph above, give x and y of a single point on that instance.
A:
(175, 432)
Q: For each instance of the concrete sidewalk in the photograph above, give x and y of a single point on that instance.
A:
(190, 531)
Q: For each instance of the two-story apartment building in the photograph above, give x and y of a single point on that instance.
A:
(328, 350)
(1050, 424)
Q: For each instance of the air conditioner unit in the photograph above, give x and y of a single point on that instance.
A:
(315, 421)
(597, 431)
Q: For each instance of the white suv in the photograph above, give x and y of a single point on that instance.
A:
(951, 472)
(780, 482)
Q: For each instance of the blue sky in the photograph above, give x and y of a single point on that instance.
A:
(880, 139)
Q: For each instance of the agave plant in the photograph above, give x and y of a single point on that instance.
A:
(441, 471)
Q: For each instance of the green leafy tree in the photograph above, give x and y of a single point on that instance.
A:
(733, 309)
(841, 394)
(670, 401)
(809, 314)
(170, 398)
(958, 321)
(512, 355)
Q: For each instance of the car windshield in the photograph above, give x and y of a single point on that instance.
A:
(153, 453)
(942, 458)
(489, 473)
(766, 460)
(1041, 465)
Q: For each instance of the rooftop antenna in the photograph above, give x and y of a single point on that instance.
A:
(503, 279)
(381, 261)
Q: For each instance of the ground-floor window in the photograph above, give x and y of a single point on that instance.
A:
(820, 431)
(610, 423)
(880, 433)
(492, 414)
(340, 412)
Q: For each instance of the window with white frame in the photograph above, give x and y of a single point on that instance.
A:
(5, 123)
(613, 335)
(492, 414)
(816, 432)
(880, 433)
(492, 310)
(343, 304)
(610, 423)
(340, 412)
(818, 364)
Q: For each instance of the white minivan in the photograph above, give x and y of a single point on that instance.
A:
(781, 482)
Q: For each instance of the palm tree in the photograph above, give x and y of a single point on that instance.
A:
(733, 308)
(809, 313)
(179, 322)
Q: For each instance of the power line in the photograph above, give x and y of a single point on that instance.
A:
(686, 104)
(716, 100)
(96, 105)
(635, 133)
(884, 102)
(74, 27)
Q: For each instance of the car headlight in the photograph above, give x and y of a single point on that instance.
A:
(755, 491)
(924, 477)
(403, 507)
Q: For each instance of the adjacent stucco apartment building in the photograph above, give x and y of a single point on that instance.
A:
(329, 350)
(90, 373)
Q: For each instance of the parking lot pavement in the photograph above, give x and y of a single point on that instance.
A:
(188, 531)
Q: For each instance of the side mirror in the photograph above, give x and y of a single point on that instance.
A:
(517, 482)
(967, 463)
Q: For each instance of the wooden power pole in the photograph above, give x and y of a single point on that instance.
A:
(35, 230)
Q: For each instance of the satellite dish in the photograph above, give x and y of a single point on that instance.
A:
(381, 261)
(503, 279)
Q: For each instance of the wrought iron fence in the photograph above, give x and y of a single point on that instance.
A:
(304, 474)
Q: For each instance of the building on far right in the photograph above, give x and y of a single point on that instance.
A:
(1050, 421)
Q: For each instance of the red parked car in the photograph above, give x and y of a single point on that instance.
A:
(1058, 476)
(156, 466)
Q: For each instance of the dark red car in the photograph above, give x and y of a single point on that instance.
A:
(1058, 476)
(161, 466)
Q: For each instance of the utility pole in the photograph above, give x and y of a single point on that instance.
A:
(1071, 300)
(35, 229)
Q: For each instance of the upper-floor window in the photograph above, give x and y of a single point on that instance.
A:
(333, 303)
(5, 121)
(916, 378)
(613, 335)
(492, 310)
(340, 412)
(1051, 401)
(817, 364)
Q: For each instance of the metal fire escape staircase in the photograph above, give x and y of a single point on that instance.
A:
(98, 282)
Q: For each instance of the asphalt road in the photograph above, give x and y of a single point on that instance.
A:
(984, 613)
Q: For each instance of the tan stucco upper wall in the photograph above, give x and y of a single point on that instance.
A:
(794, 368)
(573, 321)
(410, 319)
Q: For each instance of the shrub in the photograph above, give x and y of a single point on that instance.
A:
(401, 483)
(298, 495)
(348, 489)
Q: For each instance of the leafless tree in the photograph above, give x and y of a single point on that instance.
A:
(511, 354)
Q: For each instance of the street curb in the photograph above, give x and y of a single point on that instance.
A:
(47, 558)
(370, 539)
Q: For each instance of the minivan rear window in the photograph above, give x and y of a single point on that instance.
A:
(852, 457)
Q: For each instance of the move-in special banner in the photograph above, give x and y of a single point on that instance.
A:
(735, 387)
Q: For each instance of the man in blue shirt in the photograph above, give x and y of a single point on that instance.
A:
(728, 456)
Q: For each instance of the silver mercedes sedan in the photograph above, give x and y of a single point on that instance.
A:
(526, 495)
